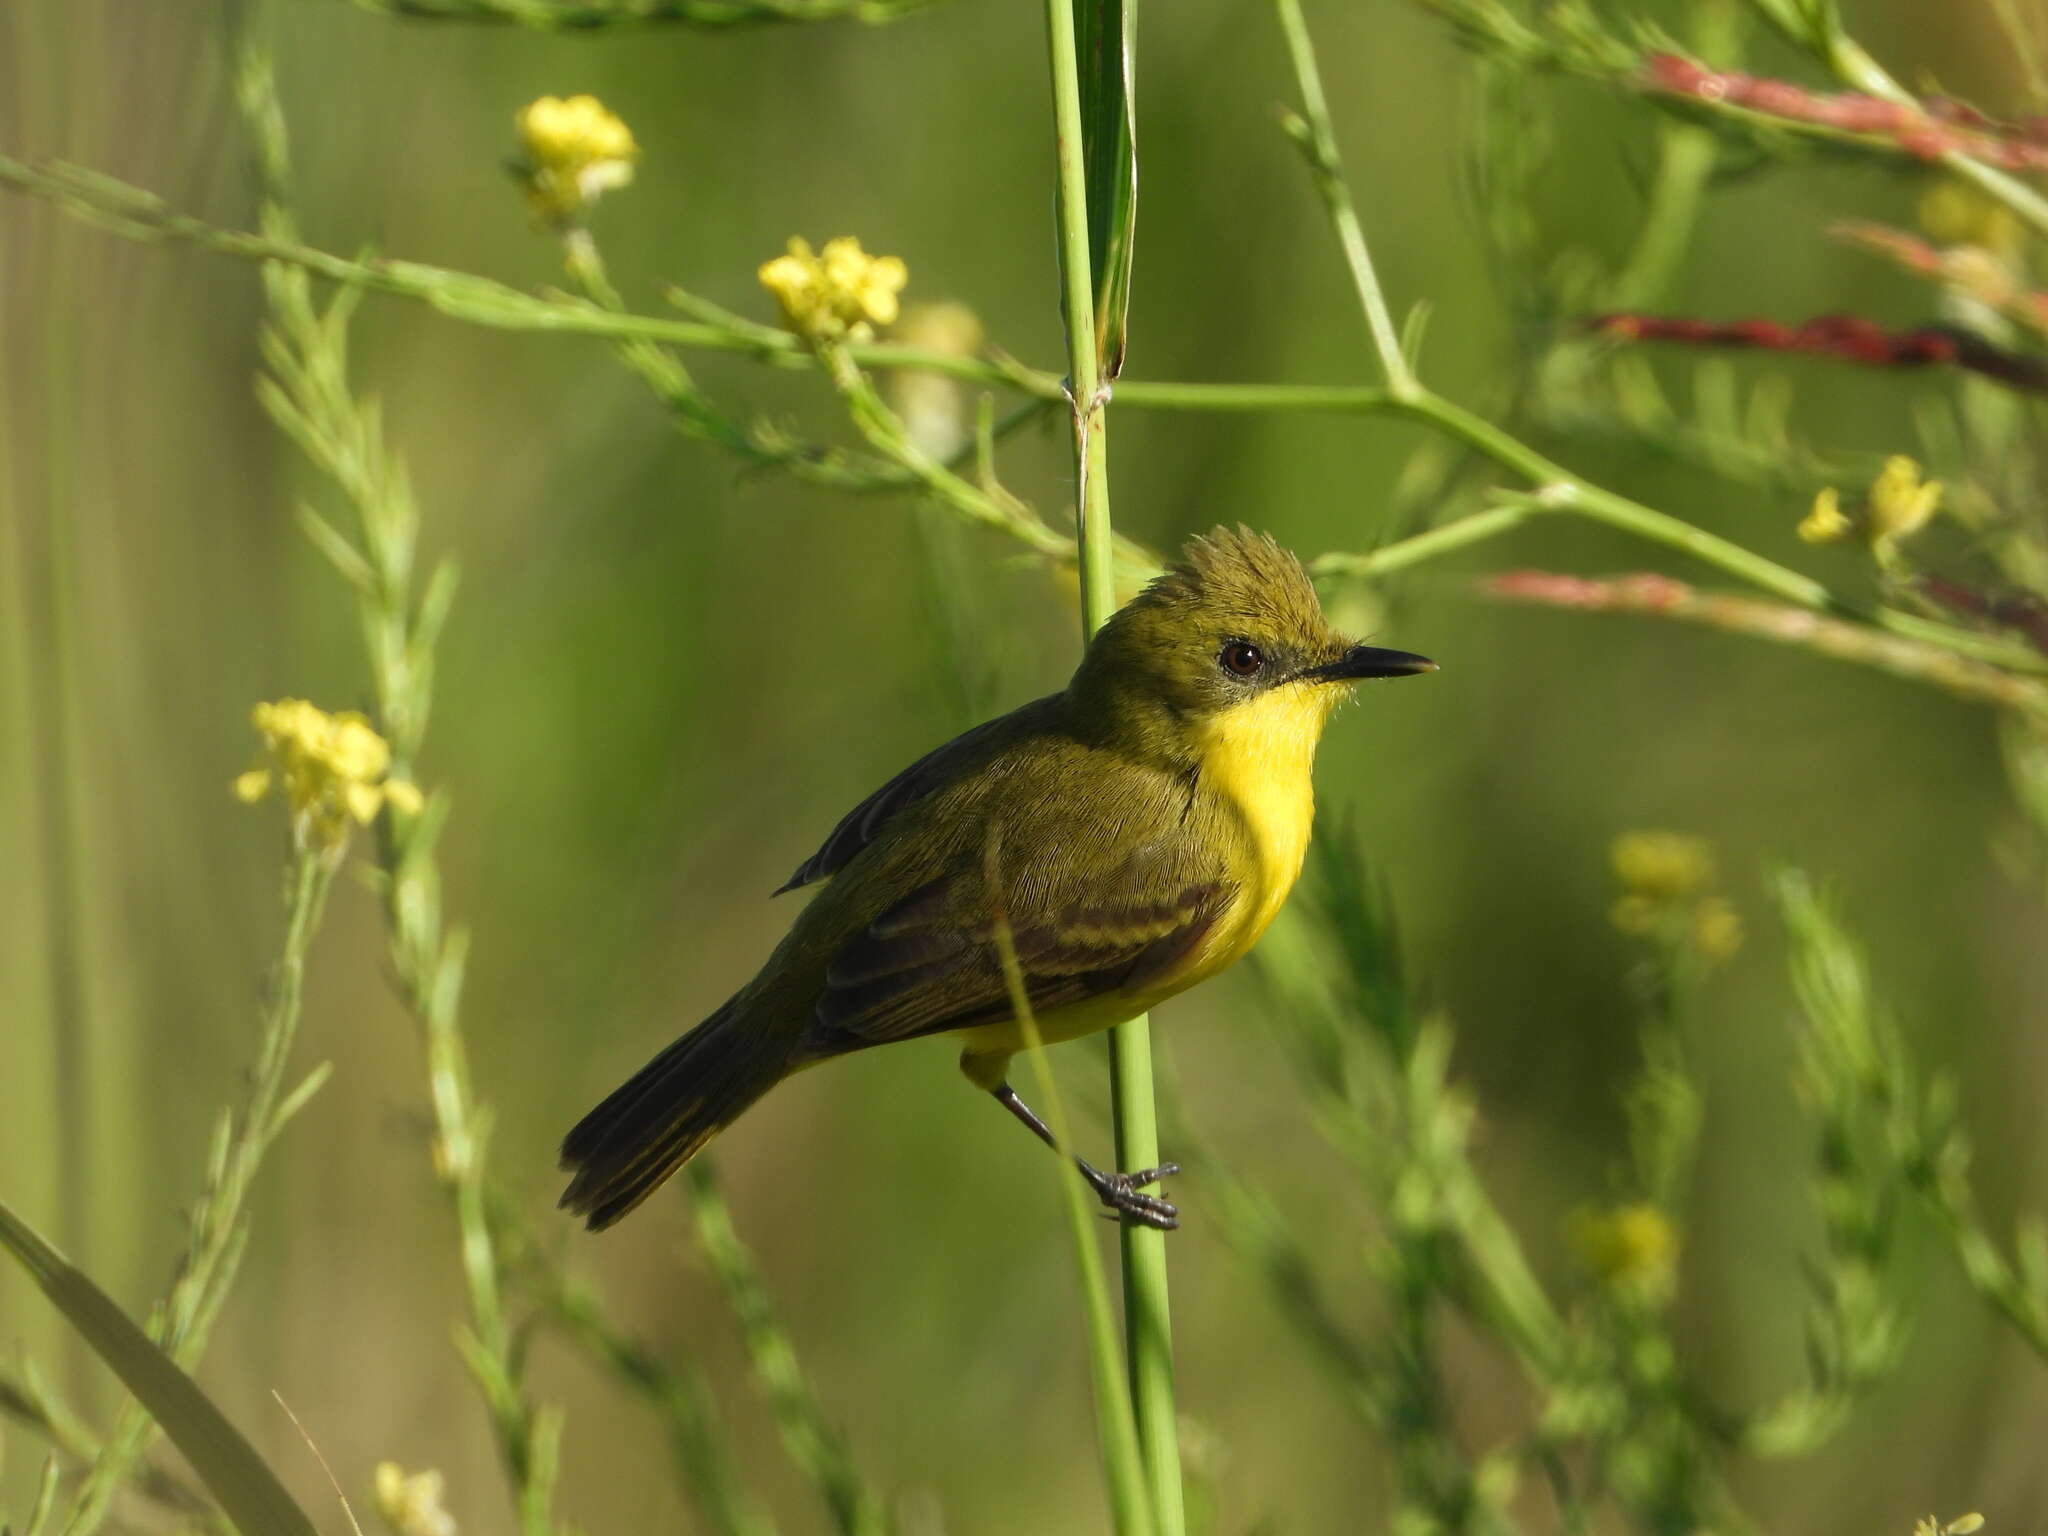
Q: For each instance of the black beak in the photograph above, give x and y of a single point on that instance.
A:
(1368, 661)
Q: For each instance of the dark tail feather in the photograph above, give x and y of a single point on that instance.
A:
(662, 1116)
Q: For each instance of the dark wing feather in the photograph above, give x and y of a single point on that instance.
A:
(857, 827)
(920, 969)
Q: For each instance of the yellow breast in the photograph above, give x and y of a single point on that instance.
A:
(1258, 758)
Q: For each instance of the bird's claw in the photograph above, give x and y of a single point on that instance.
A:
(1123, 1194)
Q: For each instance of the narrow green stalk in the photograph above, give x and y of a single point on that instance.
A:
(813, 1443)
(307, 392)
(1147, 1321)
(1148, 1334)
(1341, 399)
(1687, 153)
(214, 1243)
(1123, 1463)
(1686, 156)
(1473, 528)
(1858, 70)
(1559, 490)
(620, 15)
(132, 213)
(678, 1394)
(1317, 137)
(45, 1506)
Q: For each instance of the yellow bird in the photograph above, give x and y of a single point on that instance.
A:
(1144, 825)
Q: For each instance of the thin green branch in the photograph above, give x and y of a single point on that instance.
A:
(130, 212)
(1558, 489)
(1473, 528)
(1686, 157)
(217, 1230)
(818, 1449)
(620, 15)
(1819, 30)
(307, 392)
(1314, 132)
(123, 209)
(677, 1394)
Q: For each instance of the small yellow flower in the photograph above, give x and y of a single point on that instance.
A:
(1955, 214)
(1716, 929)
(410, 1502)
(1630, 1248)
(1636, 915)
(575, 150)
(838, 293)
(1900, 501)
(1661, 866)
(1962, 1525)
(1897, 506)
(332, 769)
(1826, 523)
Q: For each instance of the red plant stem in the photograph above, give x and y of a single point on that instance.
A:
(1848, 337)
(1647, 593)
(1926, 131)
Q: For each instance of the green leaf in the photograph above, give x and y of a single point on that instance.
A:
(1103, 32)
(248, 1491)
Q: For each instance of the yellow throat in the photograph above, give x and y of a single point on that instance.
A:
(1259, 757)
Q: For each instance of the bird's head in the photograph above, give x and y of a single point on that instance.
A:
(1234, 622)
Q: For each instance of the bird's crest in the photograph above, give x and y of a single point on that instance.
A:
(1235, 574)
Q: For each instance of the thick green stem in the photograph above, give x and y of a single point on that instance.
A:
(1148, 1334)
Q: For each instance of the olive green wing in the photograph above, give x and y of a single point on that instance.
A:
(929, 774)
(929, 963)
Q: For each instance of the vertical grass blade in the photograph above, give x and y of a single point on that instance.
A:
(1104, 31)
(234, 1474)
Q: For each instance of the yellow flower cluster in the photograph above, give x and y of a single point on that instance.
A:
(575, 150)
(1898, 505)
(1661, 866)
(410, 1502)
(838, 293)
(1631, 1248)
(332, 770)
(1663, 877)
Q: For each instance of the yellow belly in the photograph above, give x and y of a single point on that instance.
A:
(1257, 760)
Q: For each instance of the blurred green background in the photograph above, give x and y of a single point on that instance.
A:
(662, 685)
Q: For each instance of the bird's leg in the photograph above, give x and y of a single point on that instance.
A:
(1121, 1192)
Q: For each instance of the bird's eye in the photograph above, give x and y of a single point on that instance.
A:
(1241, 658)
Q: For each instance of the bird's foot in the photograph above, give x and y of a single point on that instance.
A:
(1122, 1194)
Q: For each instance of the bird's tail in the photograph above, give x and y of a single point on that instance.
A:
(664, 1114)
